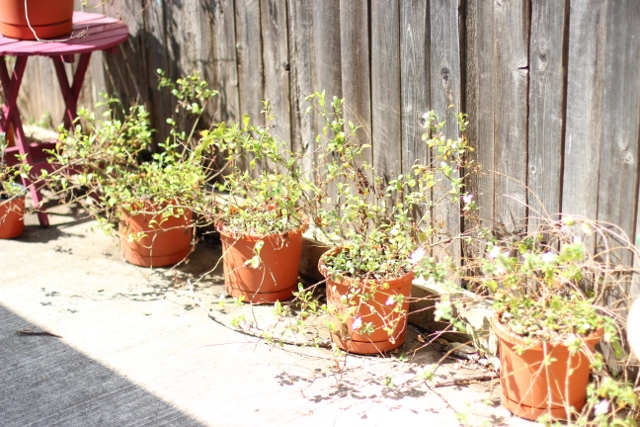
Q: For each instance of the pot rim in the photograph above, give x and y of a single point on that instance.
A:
(347, 280)
(504, 333)
(227, 232)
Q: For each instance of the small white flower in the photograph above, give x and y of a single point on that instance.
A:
(390, 301)
(548, 257)
(495, 251)
(601, 407)
(394, 231)
(357, 324)
(501, 271)
(417, 255)
(467, 199)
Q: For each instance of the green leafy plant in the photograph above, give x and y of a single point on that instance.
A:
(382, 221)
(556, 284)
(111, 162)
(385, 227)
(267, 196)
(539, 291)
(9, 174)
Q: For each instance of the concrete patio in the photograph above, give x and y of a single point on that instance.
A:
(135, 348)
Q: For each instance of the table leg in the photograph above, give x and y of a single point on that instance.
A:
(71, 92)
(11, 114)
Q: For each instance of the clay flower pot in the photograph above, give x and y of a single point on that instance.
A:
(274, 279)
(48, 18)
(379, 310)
(165, 241)
(531, 388)
(12, 217)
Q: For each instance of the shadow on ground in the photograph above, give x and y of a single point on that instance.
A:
(64, 387)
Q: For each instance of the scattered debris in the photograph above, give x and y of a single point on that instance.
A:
(30, 331)
(466, 380)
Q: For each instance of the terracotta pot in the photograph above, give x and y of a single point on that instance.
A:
(166, 241)
(275, 279)
(11, 217)
(48, 18)
(530, 388)
(375, 311)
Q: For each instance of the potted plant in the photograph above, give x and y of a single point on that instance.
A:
(381, 228)
(150, 195)
(257, 212)
(547, 323)
(12, 195)
(36, 19)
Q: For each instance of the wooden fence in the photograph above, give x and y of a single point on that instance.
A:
(552, 88)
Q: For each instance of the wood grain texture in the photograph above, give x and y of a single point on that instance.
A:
(275, 52)
(126, 72)
(249, 57)
(583, 136)
(225, 64)
(385, 87)
(446, 89)
(356, 66)
(302, 56)
(511, 24)
(546, 105)
(415, 79)
(618, 186)
(481, 53)
(328, 60)
(156, 57)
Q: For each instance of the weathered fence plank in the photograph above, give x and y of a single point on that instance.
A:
(385, 87)
(356, 66)
(156, 56)
(125, 73)
(445, 82)
(275, 52)
(585, 78)
(511, 25)
(481, 53)
(302, 54)
(249, 57)
(546, 105)
(415, 79)
(328, 61)
(225, 68)
(620, 116)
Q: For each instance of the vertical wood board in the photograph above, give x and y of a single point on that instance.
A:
(546, 109)
(385, 87)
(511, 23)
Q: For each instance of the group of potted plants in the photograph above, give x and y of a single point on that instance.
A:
(380, 231)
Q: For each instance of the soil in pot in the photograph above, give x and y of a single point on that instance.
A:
(165, 241)
(275, 278)
(48, 18)
(377, 310)
(11, 217)
(531, 388)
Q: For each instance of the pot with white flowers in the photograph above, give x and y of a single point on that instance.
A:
(380, 240)
(547, 325)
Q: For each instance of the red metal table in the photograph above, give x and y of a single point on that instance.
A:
(91, 32)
